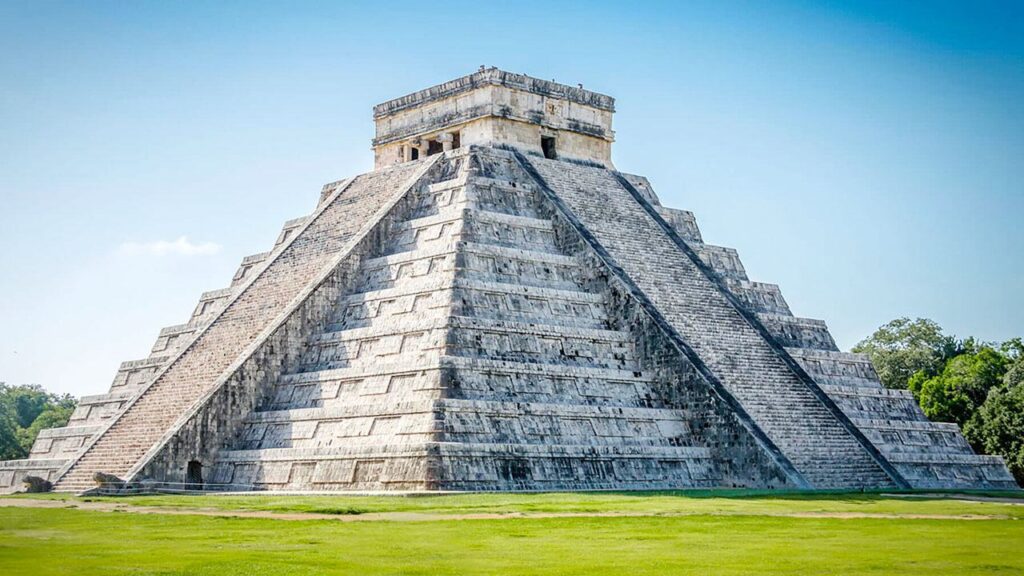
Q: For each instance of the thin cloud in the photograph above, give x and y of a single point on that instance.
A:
(180, 247)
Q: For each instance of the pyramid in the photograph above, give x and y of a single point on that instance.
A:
(496, 307)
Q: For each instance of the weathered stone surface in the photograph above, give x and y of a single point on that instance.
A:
(108, 481)
(35, 484)
(490, 319)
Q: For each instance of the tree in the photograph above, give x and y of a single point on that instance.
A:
(998, 428)
(24, 411)
(962, 386)
(1014, 351)
(54, 416)
(28, 401)
(10, 447)
(903, 348)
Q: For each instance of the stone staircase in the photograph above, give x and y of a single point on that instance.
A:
(55, 447)
(258, 301)
(806, 430)
(926, 454)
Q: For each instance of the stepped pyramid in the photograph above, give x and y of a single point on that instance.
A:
(495, 307)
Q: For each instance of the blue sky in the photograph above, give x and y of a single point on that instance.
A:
(865, 156)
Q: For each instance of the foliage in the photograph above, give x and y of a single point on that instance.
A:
(904, 347)
(998, 427)
(24, 411)
(976, 385)
(28, 401)
(1014, 351)
(962, 386)
(10, 447)
(54, 416)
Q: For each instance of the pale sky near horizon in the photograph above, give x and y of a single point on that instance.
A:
(866, 157)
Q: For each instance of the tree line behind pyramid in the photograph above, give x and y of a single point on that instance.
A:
(497, 307)
(976, 385)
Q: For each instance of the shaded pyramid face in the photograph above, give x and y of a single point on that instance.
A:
(484, 320)
(471, 352)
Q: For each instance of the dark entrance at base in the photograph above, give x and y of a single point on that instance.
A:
(194, 475)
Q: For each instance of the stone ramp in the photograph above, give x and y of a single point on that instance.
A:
(199, 367)
(807, 431)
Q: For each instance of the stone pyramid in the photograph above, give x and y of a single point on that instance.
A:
(495, 307)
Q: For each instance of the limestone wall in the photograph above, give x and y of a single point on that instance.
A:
(495, 108)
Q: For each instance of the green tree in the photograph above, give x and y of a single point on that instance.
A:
(24, 411)
(962, 386)
(1014, 351)
(28, 401)
(903, 347)
(10, 447)
(54, 416)
(998, 428)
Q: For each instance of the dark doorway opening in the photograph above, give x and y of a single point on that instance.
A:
(456, 140)
(194, 475)
(414, 154)
(434, 147)
(547, 143)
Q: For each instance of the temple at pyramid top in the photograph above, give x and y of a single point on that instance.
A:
(492, 107)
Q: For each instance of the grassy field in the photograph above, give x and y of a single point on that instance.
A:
(612, 533)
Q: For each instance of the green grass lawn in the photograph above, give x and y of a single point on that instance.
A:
(680, 533)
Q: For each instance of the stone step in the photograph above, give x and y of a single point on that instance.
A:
(759, 296)
(725, 261)
(866, 402)
(411, 325)
(395, 408)
(469, 467)
(483, 193)
(134, 374)
(480, 261)
(892, 436)
(792, 331)
(457, 420)
(443, 294)
(837, 368)
(472, 378)
(248, 267)
(453, 449)
(506, 340)
(100, 407)
(420, 339)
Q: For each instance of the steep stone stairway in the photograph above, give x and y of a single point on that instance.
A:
(926, 454)
(824, 450)
(195, 370)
